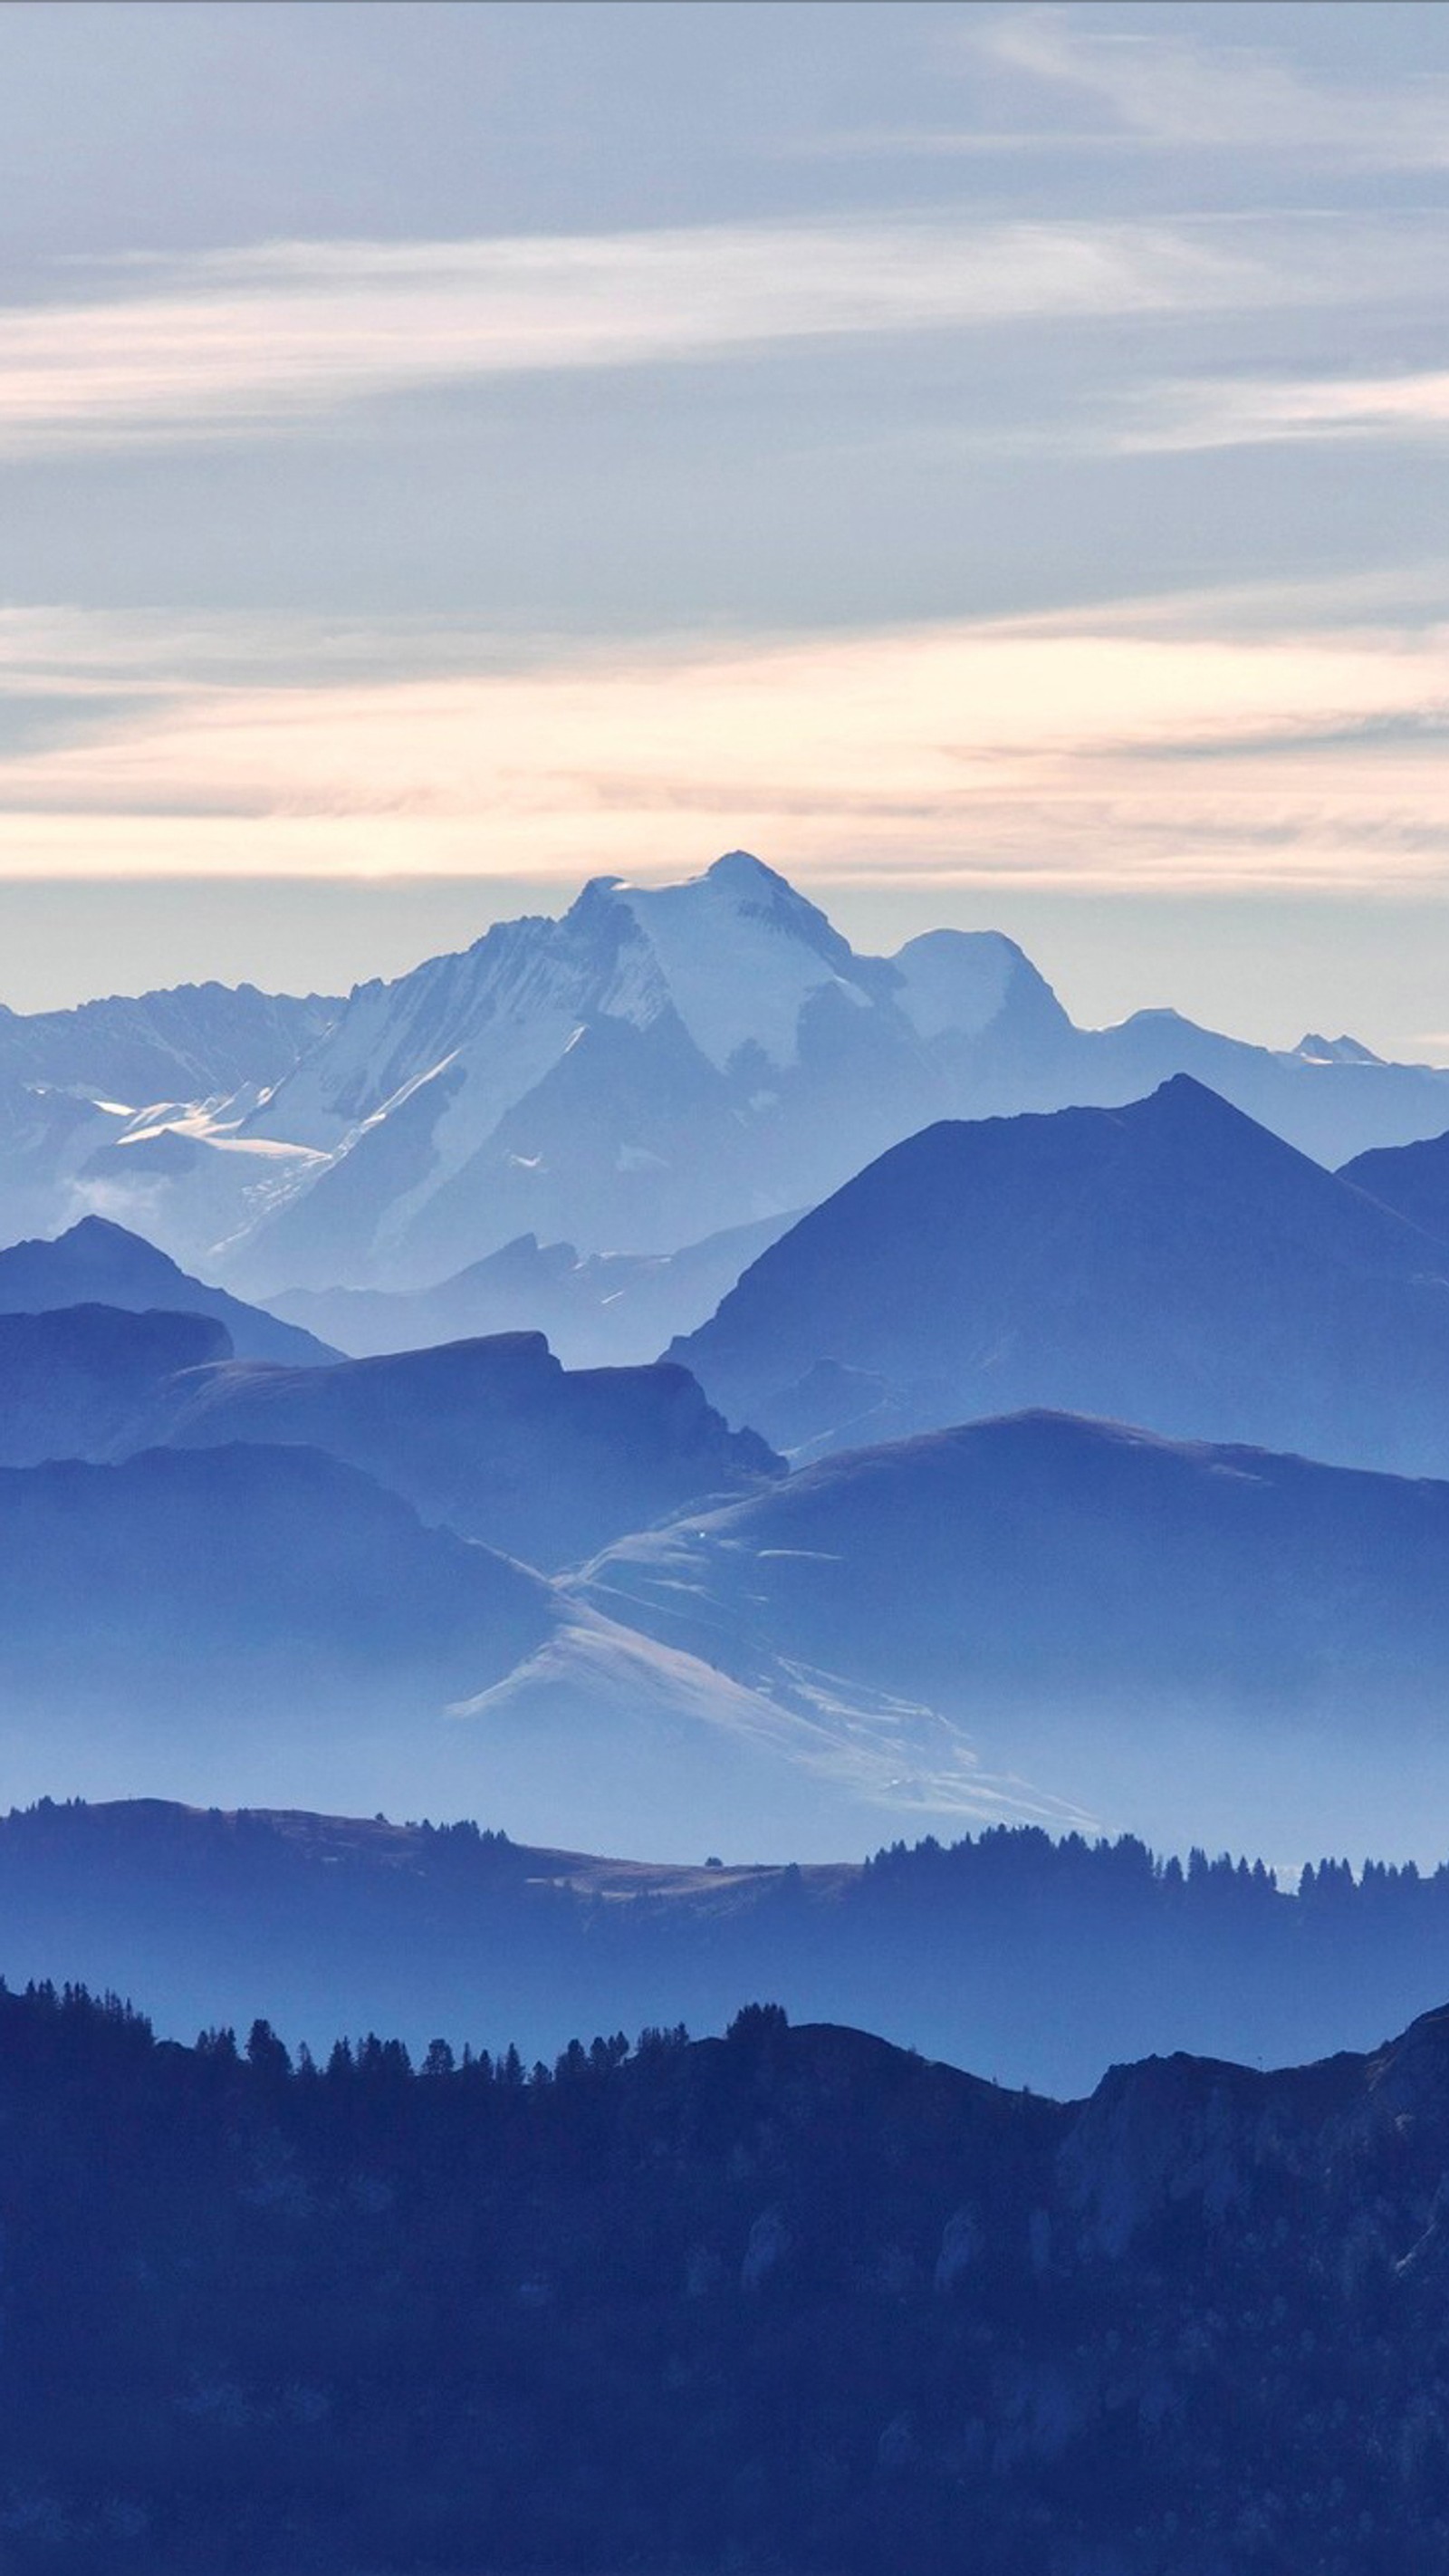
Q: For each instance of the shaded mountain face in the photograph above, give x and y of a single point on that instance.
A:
(96, 1263)
(494, 1437)
(1413, 1180)
(661, 1064)
(1197, 1643)
(788, 2298)
(1171, 1264)
(89, 1381)
(597, 1310)
(180, 1617)
(1041, 1960)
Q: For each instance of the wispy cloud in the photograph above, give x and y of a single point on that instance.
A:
(242, 342)
(1273, 411)
(1065, 752)
(1171, 94)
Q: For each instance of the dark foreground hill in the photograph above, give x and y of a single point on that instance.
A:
(1170, 1263)
(787, 2300)
(1038, 1961)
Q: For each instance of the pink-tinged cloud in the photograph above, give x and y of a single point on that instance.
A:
(1050, 754)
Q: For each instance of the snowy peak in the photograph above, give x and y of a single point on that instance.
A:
(961, 982)
(738, 955)
(1314, 1049)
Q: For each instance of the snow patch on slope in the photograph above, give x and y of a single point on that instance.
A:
(865, 1747)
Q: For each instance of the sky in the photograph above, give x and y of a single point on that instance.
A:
(988, 460)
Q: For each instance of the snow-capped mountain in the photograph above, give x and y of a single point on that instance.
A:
(130, 1106)
(658, 1065)
(196, 1042)
(660, 1062)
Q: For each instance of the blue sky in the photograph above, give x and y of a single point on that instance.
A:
(989, 460)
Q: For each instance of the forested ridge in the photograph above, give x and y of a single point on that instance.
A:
(1034, 1958)
(788, 2301)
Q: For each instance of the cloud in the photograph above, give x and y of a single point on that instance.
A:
(252, 341)
(1274, 411)
(1063, 752)
(1171, 94)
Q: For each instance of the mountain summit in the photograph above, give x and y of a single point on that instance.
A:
(1169, 1263)
(659, 1063)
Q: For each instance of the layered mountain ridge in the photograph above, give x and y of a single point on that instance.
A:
(96, 1263)
(1038, 1959)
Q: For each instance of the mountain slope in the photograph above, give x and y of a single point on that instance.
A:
(194, 1042)
(1413, 1180)
(246, 1623)
(494, 1437)
(1192, 1642)
(622, 1076)
(99, 1264)
(1170, 1264)
(180, 1618)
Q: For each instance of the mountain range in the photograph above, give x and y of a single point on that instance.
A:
(1039, 1618)
(598, 1309)
(243, 1623)
(658, 1065)
(1152, 1530)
